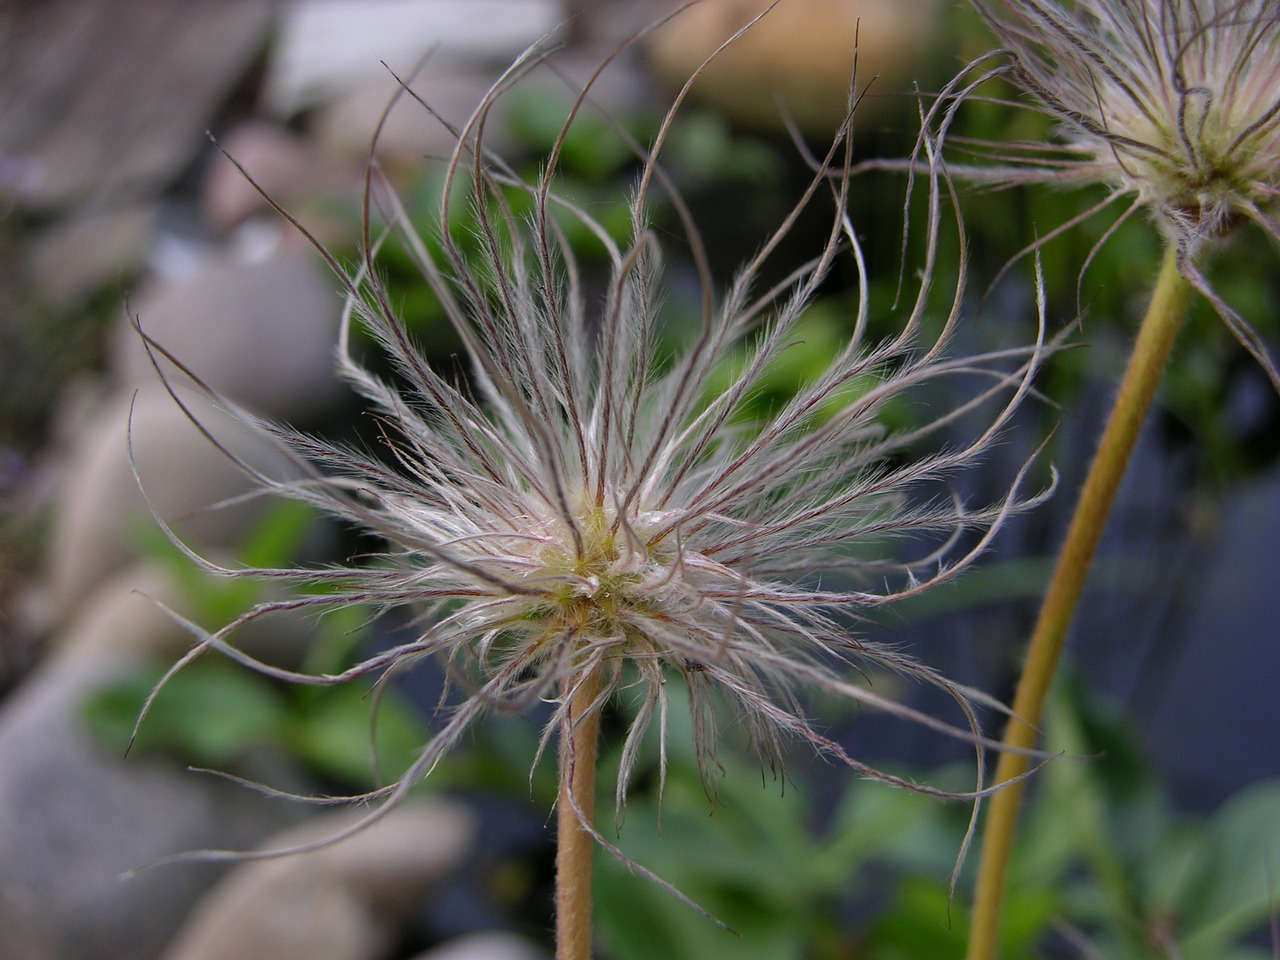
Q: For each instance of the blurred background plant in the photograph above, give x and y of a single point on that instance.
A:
(1157, 838)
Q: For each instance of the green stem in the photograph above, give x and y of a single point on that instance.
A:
(1146, 367)
(574, 844)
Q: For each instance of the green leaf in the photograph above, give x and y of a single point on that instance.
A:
(336, 732)
(1237, 884)
(277, 537)
(878, 822)
(590, 148)
(916, 926)
(747, 860)
(273, 542)
(209, 713)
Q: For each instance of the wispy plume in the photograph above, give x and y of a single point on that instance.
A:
(1172, 104)
(582, 517)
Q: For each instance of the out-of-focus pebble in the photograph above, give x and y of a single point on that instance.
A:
(341, 902)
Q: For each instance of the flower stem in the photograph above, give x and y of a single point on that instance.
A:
(574, 843)
(1146, 367)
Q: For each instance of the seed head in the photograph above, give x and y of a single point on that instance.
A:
(1176, 102)
(583, 505)
(1172, 104)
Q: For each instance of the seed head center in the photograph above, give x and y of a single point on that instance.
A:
(597, 571)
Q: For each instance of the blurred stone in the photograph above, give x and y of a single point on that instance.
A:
(115, 94)
(123, 620)
(73, 816)
(331, 46)
(296, 917)
(283, 164)
(74, 259)
(275, 157)
(345, 125)
(261, 334)
(485, 946)
(100, 516)
(392, 863)
(123, 623)
(797, 60)
(346, 901)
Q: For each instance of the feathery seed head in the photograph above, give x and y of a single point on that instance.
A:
(1174, 105)
(584, 506)
(1175, 102)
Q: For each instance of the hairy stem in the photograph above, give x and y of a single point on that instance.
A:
(575, 807)
(1146, 367)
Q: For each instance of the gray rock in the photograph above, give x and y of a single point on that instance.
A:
(485, 946)
(74, 815)
(275, 157)
(100, 515)
(341, 902)
(261, 334)
(345, 124)
(295, 916)
(283, 164)
(88, 122)
(327, 47)
(124, 623)
(74, 259)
